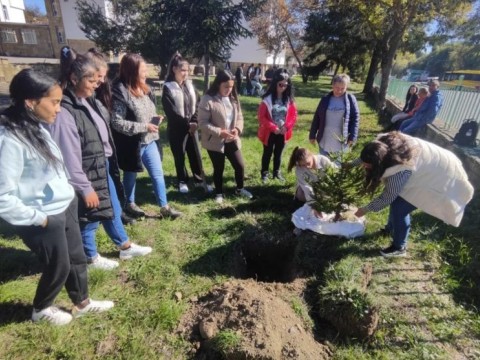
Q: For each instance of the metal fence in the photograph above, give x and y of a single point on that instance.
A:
(459, 103)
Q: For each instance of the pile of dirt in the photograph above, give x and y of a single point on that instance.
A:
(266, 327)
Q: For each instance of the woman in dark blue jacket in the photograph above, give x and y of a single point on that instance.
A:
(336, 121)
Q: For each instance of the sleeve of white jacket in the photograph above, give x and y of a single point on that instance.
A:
(12, 208)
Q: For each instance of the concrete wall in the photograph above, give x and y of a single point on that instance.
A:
(8, 70)
(71, 22)
(43, 47)
(470, 157)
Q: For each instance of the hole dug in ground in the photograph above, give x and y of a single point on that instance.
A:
(256, 315)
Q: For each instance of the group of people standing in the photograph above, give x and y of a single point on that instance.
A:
(63, 144)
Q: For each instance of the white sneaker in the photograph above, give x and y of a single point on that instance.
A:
(94, 306)
(135, 250)
(182, 187)
(103, 263)
(53, 315)
(219, 199)
(244, 193)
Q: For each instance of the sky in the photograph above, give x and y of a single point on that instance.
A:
(38, 3)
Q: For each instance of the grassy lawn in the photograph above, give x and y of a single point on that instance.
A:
(428, 300)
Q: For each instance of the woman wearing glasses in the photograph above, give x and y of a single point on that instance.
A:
(277, 115)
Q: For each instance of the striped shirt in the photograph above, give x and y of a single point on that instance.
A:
(393, 186)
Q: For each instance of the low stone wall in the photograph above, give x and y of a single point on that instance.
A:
(470, 157)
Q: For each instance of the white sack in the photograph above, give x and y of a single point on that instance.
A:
(305, 219)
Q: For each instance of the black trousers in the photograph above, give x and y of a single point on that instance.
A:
(234, 155)
(276, 144)
(176, 145)
(239, 85)
(60, 250)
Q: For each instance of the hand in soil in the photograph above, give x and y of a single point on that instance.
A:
(360, 212)
(317, 214)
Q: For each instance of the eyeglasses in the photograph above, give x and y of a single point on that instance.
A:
(282, 85)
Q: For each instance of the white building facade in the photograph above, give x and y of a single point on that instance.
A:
(12, 11)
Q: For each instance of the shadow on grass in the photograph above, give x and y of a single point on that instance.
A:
(11, 312)
(459, 249)
(17, 263)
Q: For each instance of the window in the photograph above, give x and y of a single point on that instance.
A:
(9, 36)
(29, 36)
(5, 13)
(54, 8)
(59, 35)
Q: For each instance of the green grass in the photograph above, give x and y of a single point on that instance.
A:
(194, 253)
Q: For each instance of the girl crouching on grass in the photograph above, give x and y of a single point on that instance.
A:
(306, 164)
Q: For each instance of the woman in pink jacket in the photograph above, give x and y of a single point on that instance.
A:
(277, 115)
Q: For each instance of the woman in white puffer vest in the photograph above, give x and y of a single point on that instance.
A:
(416, 175)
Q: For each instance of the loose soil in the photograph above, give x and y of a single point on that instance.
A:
(266, 325)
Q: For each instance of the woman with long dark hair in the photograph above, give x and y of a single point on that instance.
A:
(36, 197)
(416, 175)
(83, 134)
(221, 121)
(135, 128)
(179, 100)
(277, 115)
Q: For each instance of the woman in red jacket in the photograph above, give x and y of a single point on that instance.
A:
(277, 115)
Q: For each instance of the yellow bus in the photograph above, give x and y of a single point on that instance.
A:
(465, 78)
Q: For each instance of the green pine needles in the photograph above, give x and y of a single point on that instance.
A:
(337, 187)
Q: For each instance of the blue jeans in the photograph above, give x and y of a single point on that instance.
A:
(410, 126)
(153, 163)
(399, 221)
(114, 228)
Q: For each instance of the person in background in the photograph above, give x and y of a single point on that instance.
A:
(410, 99)
(37, 199)
(256, 77)
(221, 122)
(306, 164)
(179, 100)
(135, 131)
(85, 140)
(103, 94)
(398, 119)
(277, 115)
(427, 112)
(416, 174)
(337, 118)
(239, 77)
(250, 75)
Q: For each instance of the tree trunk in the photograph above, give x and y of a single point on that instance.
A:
(206, 76)
(300, 66)
(387, 64)
(337, 66)
(372, 70)
(163, 70)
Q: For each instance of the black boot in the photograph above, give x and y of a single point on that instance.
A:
(127, 220)
(278, 175)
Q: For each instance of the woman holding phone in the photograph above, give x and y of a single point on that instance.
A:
(221, 122)
(179, 100)
(135, 126)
